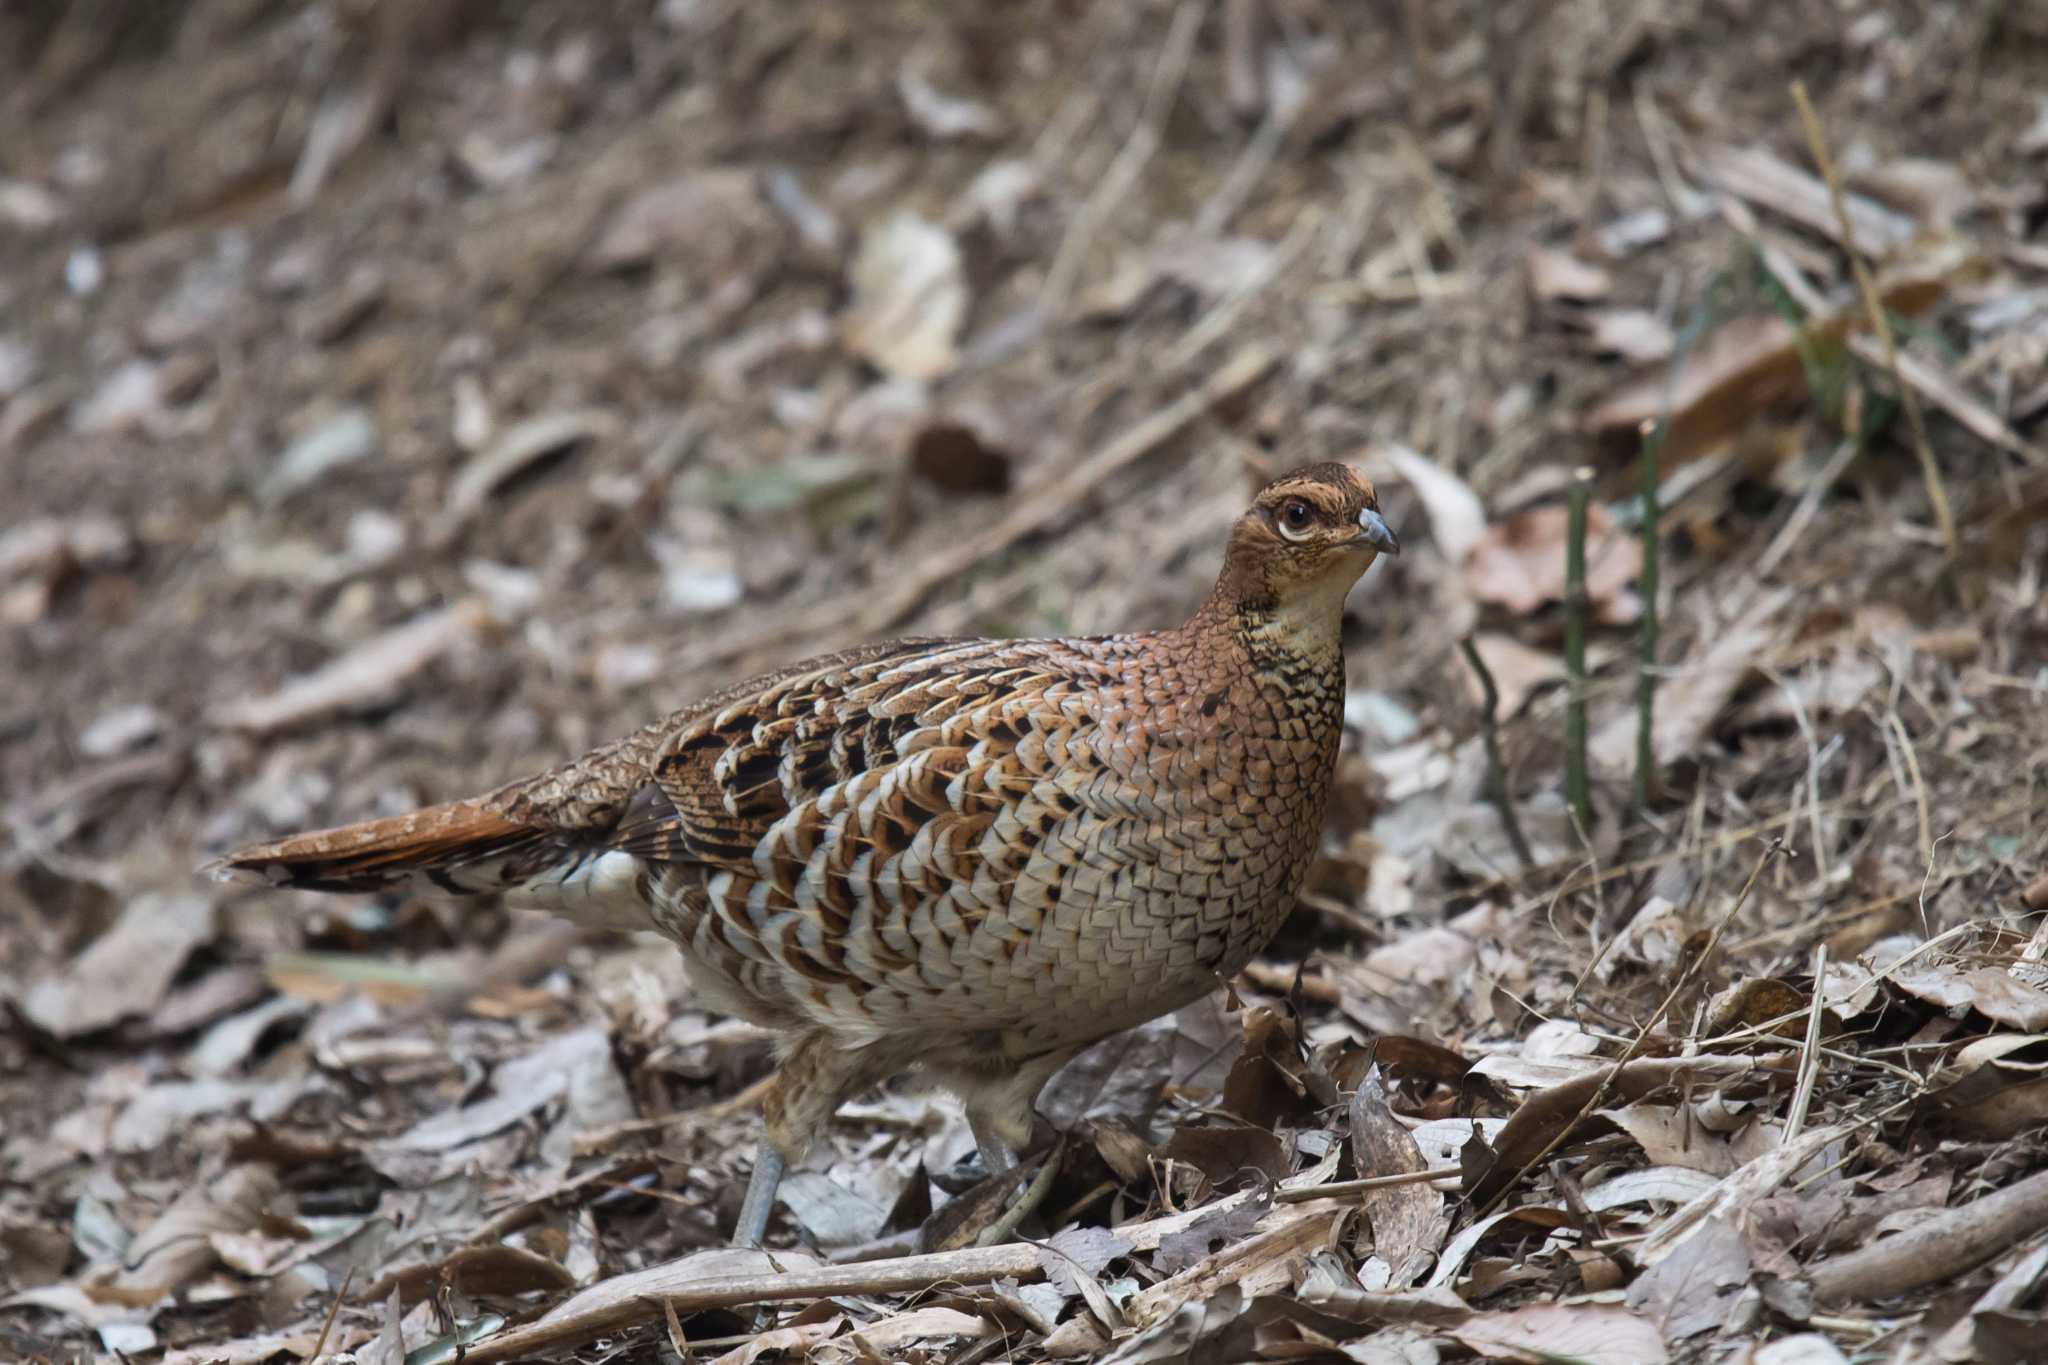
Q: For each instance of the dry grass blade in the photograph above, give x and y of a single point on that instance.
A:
(1501, 1186)
(1880, 323)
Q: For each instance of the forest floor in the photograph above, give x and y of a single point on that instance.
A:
(400, 396)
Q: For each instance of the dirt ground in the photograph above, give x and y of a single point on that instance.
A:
(399, 396)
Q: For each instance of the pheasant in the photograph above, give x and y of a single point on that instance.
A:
(970, 857)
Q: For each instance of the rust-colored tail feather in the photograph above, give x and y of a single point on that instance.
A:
(434, 844)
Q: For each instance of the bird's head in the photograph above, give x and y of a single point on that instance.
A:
(1299, 547)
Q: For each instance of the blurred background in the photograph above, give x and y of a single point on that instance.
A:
(399, 396)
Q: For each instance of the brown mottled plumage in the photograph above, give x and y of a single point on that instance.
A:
(971, 856)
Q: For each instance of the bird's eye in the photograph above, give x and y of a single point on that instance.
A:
(1296, 517)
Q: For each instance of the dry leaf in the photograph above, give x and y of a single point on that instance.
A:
(1557, 274)
(174, 1250)
(1635, 334)
(126, 971)
(707, 216)
(1520, 563)
(1408, 1225)
(941, 115)
(1591, 1334)
(1457, 519)
(909, 299)
(515, 449)
(1692, 699)
(1517, 669)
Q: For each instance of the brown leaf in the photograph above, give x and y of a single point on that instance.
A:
(1757, 1002)
(1226, 1153)
(1738, 370)
(1520, 563)
(1543, 1115)
(952, 456)
(1407, 1220)
(1517, 669)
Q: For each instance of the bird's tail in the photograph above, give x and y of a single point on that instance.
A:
(457, 849)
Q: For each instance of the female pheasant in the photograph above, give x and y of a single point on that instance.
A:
(971, 856)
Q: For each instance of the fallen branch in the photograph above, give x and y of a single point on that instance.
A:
(772, 1277)
(1943, 1247)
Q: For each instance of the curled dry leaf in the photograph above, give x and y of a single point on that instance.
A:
(1520, 563)
(126, 971)
(1457, 519)
(1544, 1115)
(909, 298)
(515, 449)
(939, 114)
(176, 1249)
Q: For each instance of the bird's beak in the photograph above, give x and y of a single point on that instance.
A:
(1374, 531)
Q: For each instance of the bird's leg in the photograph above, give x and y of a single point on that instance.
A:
(996, 1155)
(808, 1087)
(760, 1201)
(999, 1108)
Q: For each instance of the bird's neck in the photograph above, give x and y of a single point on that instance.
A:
(1303, 632)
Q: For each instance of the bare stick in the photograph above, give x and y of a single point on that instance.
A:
(1809, 1052)
(333, 1312)
(1576, 790)
(1336, 1189)
(1943, 1246)
(1874, 306)
(1496, 770)
(1646, 663)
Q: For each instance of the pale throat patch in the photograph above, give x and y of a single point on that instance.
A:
(1311, 621)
